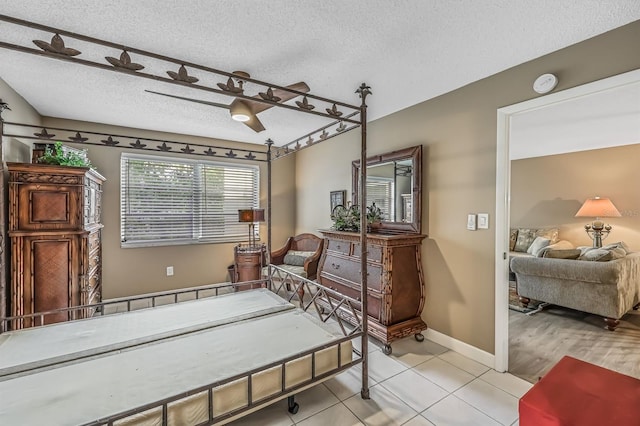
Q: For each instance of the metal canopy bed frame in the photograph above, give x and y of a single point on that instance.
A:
(279, 281)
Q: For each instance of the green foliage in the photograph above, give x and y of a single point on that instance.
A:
(374, 214)
(348, 218)
(59, 157)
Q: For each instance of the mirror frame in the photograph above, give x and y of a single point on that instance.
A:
(415, 154)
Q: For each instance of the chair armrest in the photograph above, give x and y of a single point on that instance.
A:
(277, 257)
(311, 263)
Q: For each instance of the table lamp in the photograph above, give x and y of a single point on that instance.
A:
(251, 216)
(598, 207)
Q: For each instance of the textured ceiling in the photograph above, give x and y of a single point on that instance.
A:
(407, 51)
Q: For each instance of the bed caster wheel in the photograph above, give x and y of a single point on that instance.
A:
(386, 349)
(293, 406)
(419, 337)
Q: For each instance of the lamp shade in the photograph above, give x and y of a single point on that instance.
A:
(598, 207)
(251, 215)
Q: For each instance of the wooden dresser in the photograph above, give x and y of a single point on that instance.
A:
(395, 280)
(55, 231)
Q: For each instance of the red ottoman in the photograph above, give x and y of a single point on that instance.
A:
(576, 393)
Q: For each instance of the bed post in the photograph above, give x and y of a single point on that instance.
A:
(363, 91)
(4, 257)
(269, 143)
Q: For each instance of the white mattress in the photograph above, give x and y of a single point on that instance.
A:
(26, 349)
(94, 388)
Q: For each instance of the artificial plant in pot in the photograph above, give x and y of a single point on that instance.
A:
(374, 216)
(346, 218)
(61, 157)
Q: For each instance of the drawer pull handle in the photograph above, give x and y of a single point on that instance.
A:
(335, 266)
(338, 246)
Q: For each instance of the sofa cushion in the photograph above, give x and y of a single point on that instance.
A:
(524, 240)
(297, 257)
(551, 233)
(562, 254)
(560, 245)
(602, 254)
(298, 270)
(526, 236)
(538, 244)
(513, 236)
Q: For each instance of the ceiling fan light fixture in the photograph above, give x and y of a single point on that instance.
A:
(240, 111)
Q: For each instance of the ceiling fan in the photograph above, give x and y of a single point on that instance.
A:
(245, 110)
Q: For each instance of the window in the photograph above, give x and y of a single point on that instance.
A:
(381, 191)
(166, 201)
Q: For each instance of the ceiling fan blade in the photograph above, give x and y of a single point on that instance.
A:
(254, 123)
(282, 94)
(215, 104)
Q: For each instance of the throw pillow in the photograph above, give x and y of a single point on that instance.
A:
(602, 254)
(513, 236)
(538, 244)
(297, 257)
(620, 245)
(550, 233)
(562, 254)
(560, 245)
(524, 240)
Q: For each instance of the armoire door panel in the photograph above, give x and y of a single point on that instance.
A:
(51, 277)
(43, 206)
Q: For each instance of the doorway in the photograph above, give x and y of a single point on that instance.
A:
(506, 117)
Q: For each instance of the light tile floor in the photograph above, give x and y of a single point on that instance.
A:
(419, 384)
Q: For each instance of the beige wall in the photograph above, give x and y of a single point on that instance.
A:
(21, 112)
(140, 270)
(548, 191)
(458, 133)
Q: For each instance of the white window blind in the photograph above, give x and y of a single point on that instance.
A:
(165, 201)
(381, 191)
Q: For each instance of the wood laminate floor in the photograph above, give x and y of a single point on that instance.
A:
(537, 342)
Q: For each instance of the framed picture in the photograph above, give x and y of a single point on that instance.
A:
(337, 198)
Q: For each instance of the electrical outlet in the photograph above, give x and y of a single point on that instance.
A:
(169, 271)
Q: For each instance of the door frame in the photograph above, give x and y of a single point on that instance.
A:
(503, 195)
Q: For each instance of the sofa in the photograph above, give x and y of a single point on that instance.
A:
(604, 281)
(534, 242)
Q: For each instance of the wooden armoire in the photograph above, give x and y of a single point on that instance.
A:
(55, 230)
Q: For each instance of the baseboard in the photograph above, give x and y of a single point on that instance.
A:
(462, 348)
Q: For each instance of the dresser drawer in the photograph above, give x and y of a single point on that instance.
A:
(374, 302)
(338, 246)
(349, 269)
(374, 252)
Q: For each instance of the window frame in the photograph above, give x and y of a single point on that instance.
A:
(196, 212)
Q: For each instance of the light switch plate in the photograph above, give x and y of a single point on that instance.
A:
(471, 222)
(483, 220)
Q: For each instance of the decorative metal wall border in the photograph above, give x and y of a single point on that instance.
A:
(82, 137)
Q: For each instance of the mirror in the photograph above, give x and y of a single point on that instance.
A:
(394, 183)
